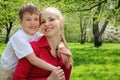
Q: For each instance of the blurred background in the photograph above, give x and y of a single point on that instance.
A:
(92, 29)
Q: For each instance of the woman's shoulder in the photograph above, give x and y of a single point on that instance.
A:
(42, 40)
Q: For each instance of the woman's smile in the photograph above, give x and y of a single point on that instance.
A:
(48, 29)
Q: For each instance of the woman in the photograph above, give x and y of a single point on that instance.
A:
(52, 27)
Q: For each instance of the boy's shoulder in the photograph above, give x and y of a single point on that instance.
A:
(19, 33)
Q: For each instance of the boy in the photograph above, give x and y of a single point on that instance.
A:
(19, 47)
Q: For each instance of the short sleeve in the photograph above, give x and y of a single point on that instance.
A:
(21, 46)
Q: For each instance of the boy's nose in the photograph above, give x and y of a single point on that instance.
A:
(32, 21)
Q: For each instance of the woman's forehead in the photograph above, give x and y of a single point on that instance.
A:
(49, 14)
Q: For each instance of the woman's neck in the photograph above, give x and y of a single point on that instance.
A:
(53, 42)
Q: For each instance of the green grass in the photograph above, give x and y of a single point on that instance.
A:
(92, 63)
(2, 47)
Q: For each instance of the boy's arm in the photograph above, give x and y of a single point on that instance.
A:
(34, 60)
(19, 45)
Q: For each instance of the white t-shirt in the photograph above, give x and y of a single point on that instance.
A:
(17, 48)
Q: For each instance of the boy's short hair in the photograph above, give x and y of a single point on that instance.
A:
(28, 8)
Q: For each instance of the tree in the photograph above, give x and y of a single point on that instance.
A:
(79, 14)
(96, 32)
(8, 15)
(99, 14)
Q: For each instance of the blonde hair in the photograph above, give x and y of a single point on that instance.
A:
(68, 61)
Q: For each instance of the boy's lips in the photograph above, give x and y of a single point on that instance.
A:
(32, 27)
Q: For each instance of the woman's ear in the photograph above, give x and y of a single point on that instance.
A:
(62, 23)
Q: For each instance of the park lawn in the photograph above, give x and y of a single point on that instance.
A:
(92, 63)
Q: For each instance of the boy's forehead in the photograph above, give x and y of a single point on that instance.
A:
(27, 13)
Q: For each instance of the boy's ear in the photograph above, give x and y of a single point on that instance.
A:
(20, 21)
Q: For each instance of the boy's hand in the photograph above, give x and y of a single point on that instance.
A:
(57, 74)
(63, 50)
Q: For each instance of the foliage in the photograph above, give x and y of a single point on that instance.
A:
(9, 12)
(76, 12)
(92, 63)
(8, 16)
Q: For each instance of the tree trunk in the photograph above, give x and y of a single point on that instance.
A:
(97, 35)
(83, 32)
(8, 29)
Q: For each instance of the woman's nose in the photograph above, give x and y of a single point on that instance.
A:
(47, 23)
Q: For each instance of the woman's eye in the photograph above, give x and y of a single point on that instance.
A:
(42, 22)
(52, 19)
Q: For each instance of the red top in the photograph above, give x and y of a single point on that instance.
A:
(26, 71)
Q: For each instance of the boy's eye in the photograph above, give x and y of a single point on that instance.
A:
(28, 19)
(36, 19)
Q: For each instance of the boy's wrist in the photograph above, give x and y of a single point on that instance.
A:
(48, 78)
(53, 68)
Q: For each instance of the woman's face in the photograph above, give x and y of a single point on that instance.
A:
(50, 24)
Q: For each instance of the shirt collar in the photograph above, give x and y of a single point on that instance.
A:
(43, 41)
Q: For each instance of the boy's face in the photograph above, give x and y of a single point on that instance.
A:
(30, 23)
